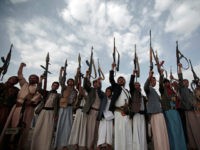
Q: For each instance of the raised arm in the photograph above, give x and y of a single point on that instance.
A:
(147, 83)
(111, 76)
(161, 87)
(132, 81)
(20, 74)
(86, 82)
(180, 75)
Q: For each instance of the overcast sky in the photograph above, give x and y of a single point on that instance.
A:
(66, 28)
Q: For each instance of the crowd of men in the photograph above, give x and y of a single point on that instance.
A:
(83, 117)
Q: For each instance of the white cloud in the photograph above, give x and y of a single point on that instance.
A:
(161, 6)
(18, 1)
(34, 40)
(119, 15)
(82, 24)
(183, 18)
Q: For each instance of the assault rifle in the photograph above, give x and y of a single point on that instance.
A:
(196, 81)
(179, 56)
(62, 78)
(90, 65)
(136, 64)
(155, 56)
(150, 54)
(100, 72)
(79, 75)
(114, 56)
(6, 62)
(46, 71)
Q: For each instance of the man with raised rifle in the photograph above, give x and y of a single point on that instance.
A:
(172, 117)
(65, 114)
(188, 103)
(22, 112)
(120, 106)
(154, 109)
(44, 128)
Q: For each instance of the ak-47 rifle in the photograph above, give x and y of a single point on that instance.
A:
(79, 75)
(114, 57)
(46, 71)
(155, 56)
(150, 54)
(196, 81)
(136, 64)
(6, 62)
(90, 65)
(179, 56)
(159, 64)
(62, 77)
(100, 72)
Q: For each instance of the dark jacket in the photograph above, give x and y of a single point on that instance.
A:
(153, 104)
(136, 98)
(8, 95)
(187, 97)
(116, 88)
(103, 103)
(45, 95)
(91, 96)
(166, 99)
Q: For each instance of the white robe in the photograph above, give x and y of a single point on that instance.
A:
(123, 126)
(43, 131)
(78, 131)
(139, 130)
(105, 129)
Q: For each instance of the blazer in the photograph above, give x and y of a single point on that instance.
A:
(116, 89)
(91, 96)
(153, 104)
(103, 103)
(188, 99)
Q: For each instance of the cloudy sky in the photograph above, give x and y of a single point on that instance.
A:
(66, 28)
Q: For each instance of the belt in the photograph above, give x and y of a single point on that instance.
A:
(80, 107)
(172, 107)
(120, 109)
(69, 105)
(48, 108)
(94, 108)
(18, 104)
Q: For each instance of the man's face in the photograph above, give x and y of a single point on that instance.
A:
(175, 84)
(108, 92)
(186, 83)
(54, 86)
(153, 82)
(95, 84)
(70, 83)
(33, 79)
(137, 86)
(121, 81)
(167, 84)
(13, 80)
